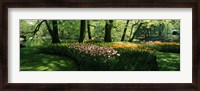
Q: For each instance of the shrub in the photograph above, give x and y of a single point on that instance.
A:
(87, 57)
(165, 46)
(125, 45)
(132, 46)
(94, 41)
(93, 57)
(137, 60)
(95, 50)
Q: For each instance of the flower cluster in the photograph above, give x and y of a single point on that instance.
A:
(166, 43)
(119, 45)
(132, 46)
(95, 50)
(164, 46)
(90, 57)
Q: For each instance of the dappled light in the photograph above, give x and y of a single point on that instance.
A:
(100, 45)
(42, 62)
(168, 61)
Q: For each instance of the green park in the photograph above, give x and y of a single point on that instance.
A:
(99, 45)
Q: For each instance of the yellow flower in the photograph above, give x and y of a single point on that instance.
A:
(166, 43)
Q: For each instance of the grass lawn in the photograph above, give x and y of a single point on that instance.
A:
(168, 61)
(32, 61)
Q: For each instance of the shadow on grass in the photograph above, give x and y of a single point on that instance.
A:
(30, 60)
(168, 61)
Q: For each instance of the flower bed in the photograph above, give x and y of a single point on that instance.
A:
(132, 46)
(172, 47)
(92, 57)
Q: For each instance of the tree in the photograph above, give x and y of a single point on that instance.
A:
(53, 32)
(136, 32)
(89, 32)
(70, 29)
(82, 30)
(124, 33)
(108, 28)
(134, 24)
(161, 28)
(37, 28)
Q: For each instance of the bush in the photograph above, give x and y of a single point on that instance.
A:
(137, 60)
(165, 46)
(87, 57)
(93, 57)
(132, 46)
(94, 41)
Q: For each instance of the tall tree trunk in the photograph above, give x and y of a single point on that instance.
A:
(82, 30)
(89, 32)
(131, 30)
(108, 28)
(136, 32)
(124, 33)
(133, 27)
(55, 38)
(53, 32)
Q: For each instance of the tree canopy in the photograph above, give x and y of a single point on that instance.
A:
(56, 31)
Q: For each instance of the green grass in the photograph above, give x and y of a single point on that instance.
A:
(168, 61)
(30, 60)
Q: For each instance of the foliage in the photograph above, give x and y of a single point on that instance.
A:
(137, 60)
(132, 46)
(93, 41)
(166, 43)
(141, 49)
(96, 50)
(69, 29)
(172, 47)
(125, 45)
(86, 59)
(156, 46)
(92, 57)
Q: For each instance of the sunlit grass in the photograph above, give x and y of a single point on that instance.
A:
(168, 61)
(30, 60)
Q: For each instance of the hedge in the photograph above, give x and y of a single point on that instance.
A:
(97, 58)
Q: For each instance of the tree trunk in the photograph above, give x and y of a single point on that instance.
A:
(55, 38)
(54, 32)
(124, 33)
(108, 28)
(82, 30)
(89, 33)
(136, 32)
(131, 30)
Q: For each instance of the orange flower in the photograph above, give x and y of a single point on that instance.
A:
(131, 46)
(117, 45)
(166, 43)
